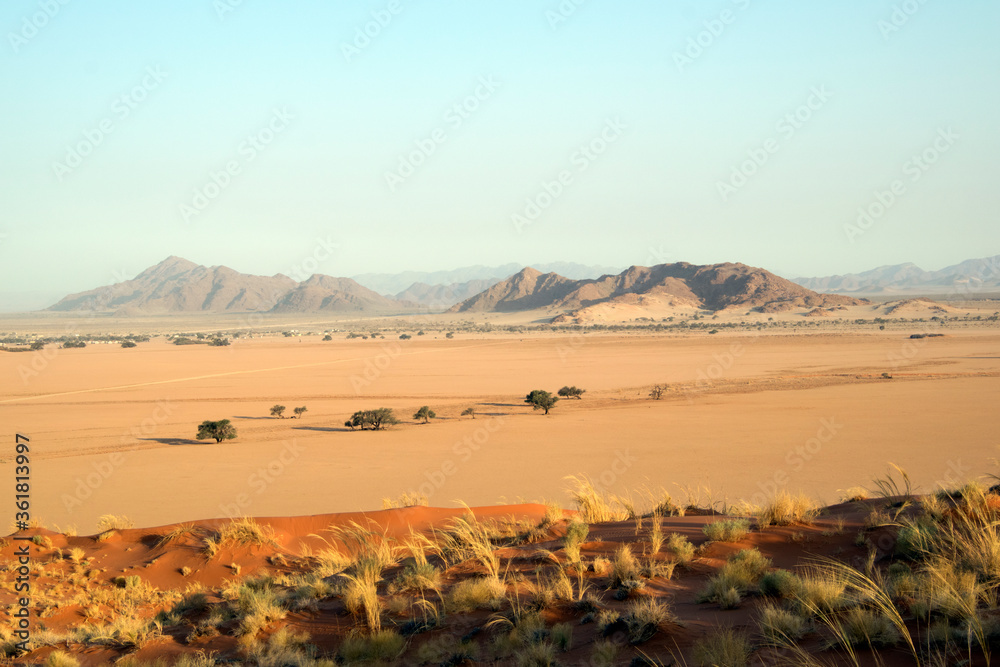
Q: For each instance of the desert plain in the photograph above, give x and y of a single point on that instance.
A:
(743, 414)
(153, 547)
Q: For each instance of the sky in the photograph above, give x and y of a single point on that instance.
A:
(806, 138)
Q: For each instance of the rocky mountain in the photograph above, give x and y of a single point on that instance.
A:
(968, 276)
(712, 287)
(176, 285)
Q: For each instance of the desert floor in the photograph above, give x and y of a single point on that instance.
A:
(112, 429)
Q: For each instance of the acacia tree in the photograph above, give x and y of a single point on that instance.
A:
(541, 400)
(298, 411)
(278, 411)
(469, 411)
(375, 420)
(572, 392)
(424, 413)
(219, 430)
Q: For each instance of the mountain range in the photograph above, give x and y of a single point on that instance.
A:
(969, 276)
(177, 285)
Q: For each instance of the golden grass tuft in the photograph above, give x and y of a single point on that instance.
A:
(785, 509)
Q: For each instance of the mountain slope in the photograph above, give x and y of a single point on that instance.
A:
(326, 294)
(177, 285)
(712, 287)
(440, 296)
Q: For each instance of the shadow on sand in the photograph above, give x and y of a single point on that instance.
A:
(177, 442)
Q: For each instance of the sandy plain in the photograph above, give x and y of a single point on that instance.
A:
(745, 414)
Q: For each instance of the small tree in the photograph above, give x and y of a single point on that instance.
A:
(424, 413)
(469, 411)
(128, 343)
(298, 411)
(220, 430)
(656, 393)
(572, 392)
(327, 337)
(541, 400)
(278, 411)
(375, 420)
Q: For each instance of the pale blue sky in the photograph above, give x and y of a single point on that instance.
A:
(677, 129)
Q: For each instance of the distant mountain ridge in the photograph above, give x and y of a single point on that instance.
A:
(711, 287)
(177, 285)
(397, 283)
(970, 275)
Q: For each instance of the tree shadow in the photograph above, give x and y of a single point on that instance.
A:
(503, 405)
(244, 417)
(324, 429)
(177, 442)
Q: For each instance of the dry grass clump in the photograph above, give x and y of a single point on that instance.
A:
(779, 584)
(645, 617)
(61, 659)
(727, 530)
(624, 567)
(114, 522)
(596, 506)
(723, 648)
(786, 509)
(406, 500)
(383, 645)
(476, 593)
(576, 535)
(739, 575)
(466, 538)
(681, 548)
(245, 532)
(781, 627)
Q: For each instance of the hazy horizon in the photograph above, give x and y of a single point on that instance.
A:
(256, 136)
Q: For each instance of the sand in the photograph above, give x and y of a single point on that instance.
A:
(112, 429)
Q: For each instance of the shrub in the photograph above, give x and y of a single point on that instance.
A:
(384, 645)
(424, 413)
(299, 411)
(741, 572)
(470, 412)
(572, 392)
(128, 343)
(278, 411)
